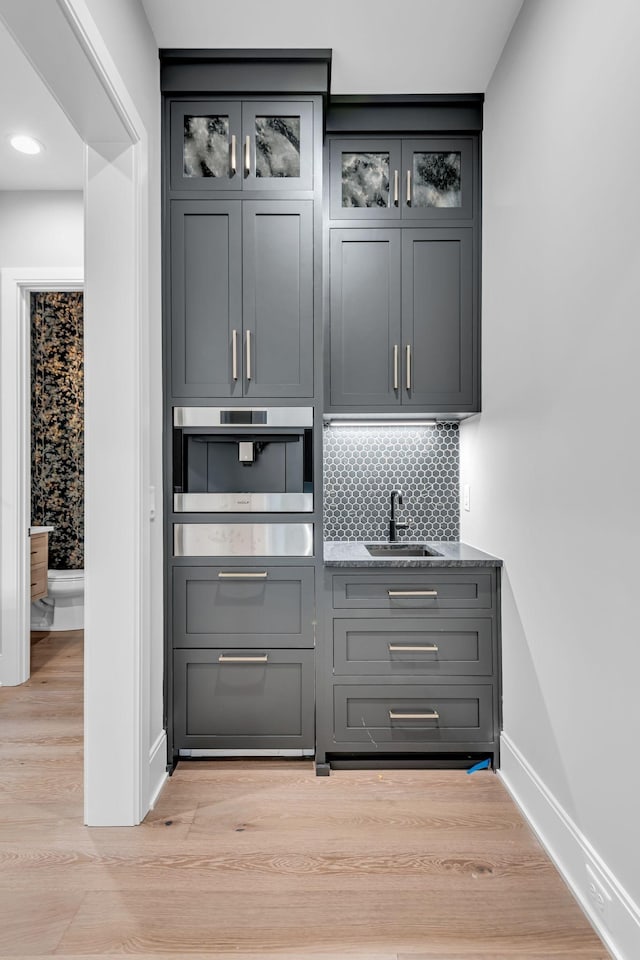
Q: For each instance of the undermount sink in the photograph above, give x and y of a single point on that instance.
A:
(400, 550)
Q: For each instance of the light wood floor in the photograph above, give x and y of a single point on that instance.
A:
(262, 859)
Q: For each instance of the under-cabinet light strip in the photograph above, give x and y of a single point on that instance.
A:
(381, 423)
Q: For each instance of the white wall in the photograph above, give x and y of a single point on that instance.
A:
(554, 459)
(41, 228)
(128, 37)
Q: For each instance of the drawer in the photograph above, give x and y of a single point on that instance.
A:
(38, 581)
(384, 713)
(400, 647)
(243, 606)
(39, 548)
(252, 699)
(428, 590)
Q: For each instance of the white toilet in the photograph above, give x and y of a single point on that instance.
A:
(63, 607)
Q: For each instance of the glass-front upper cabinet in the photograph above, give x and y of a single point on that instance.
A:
(424, 179)
(233, 145)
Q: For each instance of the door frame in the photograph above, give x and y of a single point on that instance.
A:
(16, 287)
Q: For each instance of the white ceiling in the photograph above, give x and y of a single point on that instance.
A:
(411, 46)
(27, 106)
(407, 46)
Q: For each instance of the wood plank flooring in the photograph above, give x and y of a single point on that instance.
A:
(250, 859)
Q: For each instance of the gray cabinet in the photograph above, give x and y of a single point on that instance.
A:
(393, 178)
(410, 665)
(224, 145)
(243, 606)
(231, 699)
(242, 298)
(403, 321)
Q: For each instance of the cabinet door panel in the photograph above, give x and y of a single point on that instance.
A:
(439, 185)
(365, 317)
(220, 703)
(438, 319)
(206, 296)
(278, 298)
(243, 606)
(280, 145)
(201, 145)
(365, 179)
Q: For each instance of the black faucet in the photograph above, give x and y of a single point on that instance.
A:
(394, 526)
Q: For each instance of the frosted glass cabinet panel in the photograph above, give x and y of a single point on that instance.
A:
(395, 178)
(234, 145)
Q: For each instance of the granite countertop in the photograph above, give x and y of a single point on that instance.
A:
(35, 530)
(348, 553)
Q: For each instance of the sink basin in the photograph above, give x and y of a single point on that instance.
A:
(400, 550)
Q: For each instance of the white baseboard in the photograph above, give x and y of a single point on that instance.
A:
(157, 768)
(579, 864)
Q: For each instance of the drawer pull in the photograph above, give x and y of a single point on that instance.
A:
(426, 648)
(433, 715)
(240, 575)
(412, 593)
(224, 659)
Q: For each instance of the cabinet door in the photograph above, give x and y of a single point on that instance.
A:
(437, 179)
(365, 179)
(205, 145)
(254, 699)
(438, 319)
(277, 145)
(365, 317)
(243, 606)
(206, 298)
(278, 298)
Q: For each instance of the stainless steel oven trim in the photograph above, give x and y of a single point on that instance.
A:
(211, 417)
(243, 539)
(243, 502)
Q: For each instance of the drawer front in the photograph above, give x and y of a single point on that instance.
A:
(39, 548)
(234, 699)
(243, 606)
(379, 713)
(401, 647)
(431, 590)
(38, 581)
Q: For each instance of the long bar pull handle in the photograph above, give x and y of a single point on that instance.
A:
(416, 648)
(234, 354)
(412, 593)
(432, 715)
(408, 188)
(396, 375)
(242, 575)
(408, 364)
(248, 354)
(234, 159)
(247, 156)
(396, 187)
(224, 659)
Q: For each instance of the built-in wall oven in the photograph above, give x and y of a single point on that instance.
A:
(243, 459)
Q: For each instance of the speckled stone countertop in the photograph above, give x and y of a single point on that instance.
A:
(345, 553)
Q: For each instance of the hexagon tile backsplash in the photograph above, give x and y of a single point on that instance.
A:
(362, 465)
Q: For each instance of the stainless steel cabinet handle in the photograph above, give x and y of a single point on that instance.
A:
(396, 187)
(395, 367)
(224, 659)
(412, 593)
(243, 575)
(432, 715)
(247, 156)
(416, 648)
(408, 364)
(408, 188)
(234, 168)
(234, 354)
(248, 354)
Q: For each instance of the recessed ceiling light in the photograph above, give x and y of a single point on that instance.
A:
(26, 144)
